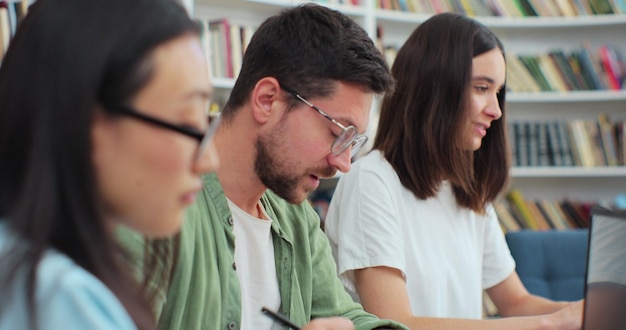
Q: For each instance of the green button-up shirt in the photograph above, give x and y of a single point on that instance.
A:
(204, 292)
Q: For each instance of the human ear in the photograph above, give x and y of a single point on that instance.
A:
(263, 99)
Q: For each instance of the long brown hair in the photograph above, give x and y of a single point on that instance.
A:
(423, 121)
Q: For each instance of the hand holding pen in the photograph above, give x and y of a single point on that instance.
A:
(331, 323)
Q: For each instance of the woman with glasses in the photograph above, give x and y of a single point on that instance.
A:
(102, 124)
(412, 226)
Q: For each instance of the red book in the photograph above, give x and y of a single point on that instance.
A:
(610, 67)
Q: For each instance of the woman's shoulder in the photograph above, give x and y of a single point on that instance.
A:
(372, 163)
(66, 296)
(369, 171)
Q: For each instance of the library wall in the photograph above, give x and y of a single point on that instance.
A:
(565, 72)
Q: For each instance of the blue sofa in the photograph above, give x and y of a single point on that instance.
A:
(551, 263)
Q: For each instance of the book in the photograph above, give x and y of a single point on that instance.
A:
(580, 143)
(545, 8)
(540, 221)
(601, 7)
(595, 140)
(532, 143)
(620, 138)
(518, 203)
(566, 8)
(236, 52)
(205, 39)
(556, 218)
(572, 211)
(590, 69)
(220, 29)
(619, 6)
(549, 70)
(611, 67)
(514, 8)
(521, 144)
(565, 145)
(247, 31)
(583, 8)
(506, 218)
(565, 70)
(576, 69)
(554, 147)
(517, 69)
(532, 65)
(528, 8)
(543, 154)
(609, 142)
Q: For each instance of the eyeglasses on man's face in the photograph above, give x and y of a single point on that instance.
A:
(348, 138)
(203, 138)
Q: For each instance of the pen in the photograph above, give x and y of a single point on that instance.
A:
(279, 318)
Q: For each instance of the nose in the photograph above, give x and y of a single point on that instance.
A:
(493, 109)
(208, 161)
(341, 162)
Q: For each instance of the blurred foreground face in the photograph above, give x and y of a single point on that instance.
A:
(148, 174)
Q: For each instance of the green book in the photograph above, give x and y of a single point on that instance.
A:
(530, 62)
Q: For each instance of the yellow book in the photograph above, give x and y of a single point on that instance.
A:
(516, 199)
(539, 219)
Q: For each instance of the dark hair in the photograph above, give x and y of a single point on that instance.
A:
(307, 48)
(423, 122)
(68, 56)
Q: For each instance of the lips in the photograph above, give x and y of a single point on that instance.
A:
(482, 129)
(190, 196)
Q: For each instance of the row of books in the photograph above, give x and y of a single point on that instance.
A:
(603, 68)
(587, 68)
(515, 212)
(509, 8)
(11, 15)
(577, 142)
(224, 43)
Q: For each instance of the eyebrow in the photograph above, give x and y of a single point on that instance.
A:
(488, 79)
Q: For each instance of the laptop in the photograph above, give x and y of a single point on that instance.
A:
(605, 279)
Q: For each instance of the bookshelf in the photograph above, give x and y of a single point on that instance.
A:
(531, 35)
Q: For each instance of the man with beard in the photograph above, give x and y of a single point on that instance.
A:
(295, 115)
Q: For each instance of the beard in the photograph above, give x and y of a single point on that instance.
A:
(277, 173)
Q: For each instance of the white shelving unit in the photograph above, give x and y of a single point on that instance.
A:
(519, 35)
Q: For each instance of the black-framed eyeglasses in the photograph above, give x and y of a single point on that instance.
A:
(349, 136)
(202, 138)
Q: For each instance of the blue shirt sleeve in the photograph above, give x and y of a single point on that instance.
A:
(67, 297)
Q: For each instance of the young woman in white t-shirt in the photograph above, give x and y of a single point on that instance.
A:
(412, 225)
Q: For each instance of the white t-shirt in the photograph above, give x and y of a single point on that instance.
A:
(256, 268)
(447, 254)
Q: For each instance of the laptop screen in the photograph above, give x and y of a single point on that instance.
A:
(605, 285)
